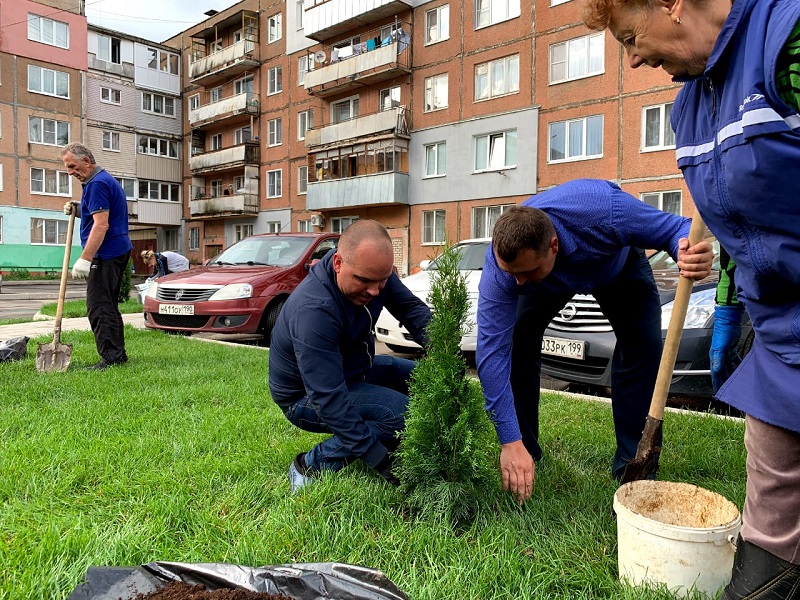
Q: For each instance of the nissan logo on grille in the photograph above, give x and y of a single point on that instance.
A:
(179, 295)
(568, 312)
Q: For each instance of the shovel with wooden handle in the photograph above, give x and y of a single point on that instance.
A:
(648, 451)
(55, 356)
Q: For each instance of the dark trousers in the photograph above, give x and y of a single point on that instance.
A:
(102, 293)
(632, 306)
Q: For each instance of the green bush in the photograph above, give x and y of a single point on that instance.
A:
(18, 274)
(125, 288)
(447, 459)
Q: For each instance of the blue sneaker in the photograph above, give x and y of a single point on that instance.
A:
(298, 473)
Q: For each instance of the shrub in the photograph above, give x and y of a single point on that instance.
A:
(125, 288)
(448, 452)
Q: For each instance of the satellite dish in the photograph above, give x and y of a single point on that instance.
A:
(320, 56)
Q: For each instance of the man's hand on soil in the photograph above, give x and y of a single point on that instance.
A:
(518, 470)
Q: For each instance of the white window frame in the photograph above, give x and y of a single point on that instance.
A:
(569, 153)
(303, 226)
(352, 109)
(244, 85)
(440, 31)
(433, 227)
(339, 224)
(111, 141)
(305, 63)
(38, 25)
(490, 216)
(389, 98)
(434, 86)
(305, 121)
(215, 142)
(274, 28)
(434, 151)
(302, 179)
(656, 199)
(163, 61)
(577, 51)
(43, 131)
(301, 15)
(242, 231)
(665, 133)
(56, 75)
(127, 184)
(152, 101)
(275, 132)
(61, 178)
(156, 146)
(215, 94)
(274, 80)
(242, 135)
(164, 191)
(194, 238)
(105, 48)
(238, 184)
(503, 72)
(61, 227)
(274, 227)
(488, 13)
(275, 183)
(194, 101)
(110, 94)
(498, 144)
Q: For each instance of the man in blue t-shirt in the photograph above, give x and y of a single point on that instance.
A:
(584, 236)
(106, 250)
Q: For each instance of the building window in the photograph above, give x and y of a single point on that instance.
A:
(242, 231)
(497, 78)
(159, 190)
(158, 104)
(172, 240)
(344, 110)
(496, 151)
(657, 131)
(48, 231)
(111, 141)
(238, 184)
(273, 227)
(274, 28)
(304, 64)
(48, 31)
(484, 218)
(489, 12)
(216, 142)
(244, 85)
(194, 238)
(194, 102)
(242, 135)
(435, 159)
(274, 80)
(48, 131)
(216, 188)
(158, 146)
(573, 59)
(433, 226)
(305, 121)
(303, 226)
(667, 201)
(301, 15)
(274, 183)
(161, 60)
(436, 92)
(576, 140)
(215, 95)
(110, 95)
(339, 224)
(302, 179)
(47, 81)
(109, 49)
(274, 132)
(437, 24)
(128, 185)
(390, 98)
(50, 182)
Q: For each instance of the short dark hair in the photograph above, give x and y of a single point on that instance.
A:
(359, 232)
(522, 228)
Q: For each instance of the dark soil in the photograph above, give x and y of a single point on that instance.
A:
(178, 590)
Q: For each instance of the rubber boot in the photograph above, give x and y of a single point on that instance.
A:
(757, 574)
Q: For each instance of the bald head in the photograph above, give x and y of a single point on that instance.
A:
(363, 261)
(364, 232)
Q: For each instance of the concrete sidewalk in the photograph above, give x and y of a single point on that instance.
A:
(34, 329)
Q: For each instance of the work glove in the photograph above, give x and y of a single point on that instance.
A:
(723, 354)
(81, 269)
(70, 208)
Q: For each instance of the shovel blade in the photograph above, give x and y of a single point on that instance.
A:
(54, 356)
(648, 452)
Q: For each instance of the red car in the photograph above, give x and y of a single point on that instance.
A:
(241, 290)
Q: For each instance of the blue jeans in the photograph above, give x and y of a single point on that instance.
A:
(380, 401)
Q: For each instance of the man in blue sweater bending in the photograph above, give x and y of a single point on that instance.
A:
(584, 236)
(323, 371)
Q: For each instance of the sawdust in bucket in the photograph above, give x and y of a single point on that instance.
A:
(675, 533)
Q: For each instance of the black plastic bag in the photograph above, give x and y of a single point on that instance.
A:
(14, 349)
(302, 581)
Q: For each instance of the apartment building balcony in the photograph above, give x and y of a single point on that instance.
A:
(360, 64)
(368, 190)
(206, 203)
(395, 120)
(228, 62)
(325, 19)
(142, 211)
(224, 159)
(226, 110)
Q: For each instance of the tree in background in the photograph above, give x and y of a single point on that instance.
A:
(125, 287)
(447, 459)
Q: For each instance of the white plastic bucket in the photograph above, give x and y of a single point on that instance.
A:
(677, 534)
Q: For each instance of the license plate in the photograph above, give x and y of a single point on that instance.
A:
(561, 347)
(176, 309)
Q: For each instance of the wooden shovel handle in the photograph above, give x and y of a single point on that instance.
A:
(679, 306)
(62, 289)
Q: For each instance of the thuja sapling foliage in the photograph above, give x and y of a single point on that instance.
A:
(448, 452)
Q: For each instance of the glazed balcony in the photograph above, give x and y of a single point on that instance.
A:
(224, 110)
(226, 63)
(380, 189)
(225, 159)
(394, 120)
(325, 19)
(208, 203)
(154, 212)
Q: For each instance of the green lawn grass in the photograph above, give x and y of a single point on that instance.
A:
(77, 308)
(180, 455)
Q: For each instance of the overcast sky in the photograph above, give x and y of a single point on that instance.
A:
(155, 20)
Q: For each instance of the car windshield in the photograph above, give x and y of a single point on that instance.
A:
(662, 261)
(277, 251)
(472, 256)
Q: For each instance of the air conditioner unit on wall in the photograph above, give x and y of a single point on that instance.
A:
(317, 221)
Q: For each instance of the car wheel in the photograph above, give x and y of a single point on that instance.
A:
(268, 321)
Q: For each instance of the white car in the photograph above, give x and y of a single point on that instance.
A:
(473, 254)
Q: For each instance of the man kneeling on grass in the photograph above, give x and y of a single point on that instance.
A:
(323, 371)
